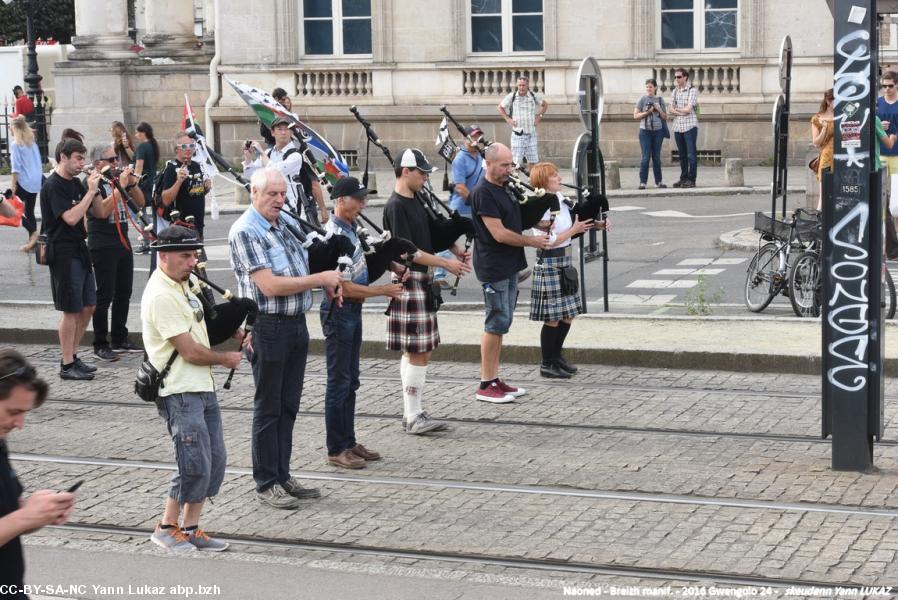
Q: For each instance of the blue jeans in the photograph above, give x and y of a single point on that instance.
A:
(280, 347)
(650, 143)
(686, 146)
(194, 424)
(500, 299)
(343, 347)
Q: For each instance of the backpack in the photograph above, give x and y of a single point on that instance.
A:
(511, 104)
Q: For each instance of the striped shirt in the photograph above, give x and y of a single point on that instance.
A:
(682, 99)
(255, 245)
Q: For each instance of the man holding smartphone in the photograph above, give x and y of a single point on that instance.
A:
(21, 390)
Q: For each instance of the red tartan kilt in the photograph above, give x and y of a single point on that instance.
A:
(410, 326)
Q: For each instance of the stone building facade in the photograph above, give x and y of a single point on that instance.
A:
(399, 60)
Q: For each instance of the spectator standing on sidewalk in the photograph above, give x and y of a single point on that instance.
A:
(23, 106)
(342, 327)
(272, 268)
(279, 94)
(172, 320)
(523, 110)
(822, 137)
(146, 158)
(412, 326)
(683, 107)
(498, 257)
(121, 141)
(64, 204)
(27, 175)
(21, 391)
(651, 112)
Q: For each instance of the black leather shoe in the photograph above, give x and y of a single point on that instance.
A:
(84, 366)
(553, 371)
(565, 365)
(73, 373)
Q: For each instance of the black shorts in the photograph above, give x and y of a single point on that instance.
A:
(73, 283)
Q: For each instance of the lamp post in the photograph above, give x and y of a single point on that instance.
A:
(33, 79)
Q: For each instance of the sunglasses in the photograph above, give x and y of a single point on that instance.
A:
(24, 371)
(186, 146)
(110, 158)
(887, 85)
(678, 77)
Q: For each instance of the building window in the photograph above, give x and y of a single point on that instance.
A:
(506, 26)
(699, 25)
(337, 27)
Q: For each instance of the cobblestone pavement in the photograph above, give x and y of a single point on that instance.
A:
(758, 541)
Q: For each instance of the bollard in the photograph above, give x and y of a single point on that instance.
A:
(612, 175)
(733, 175)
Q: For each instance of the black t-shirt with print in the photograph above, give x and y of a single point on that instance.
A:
(494, 261)
(103, 233)
(191, 198)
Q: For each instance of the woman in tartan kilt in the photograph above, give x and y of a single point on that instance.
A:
(548, 301)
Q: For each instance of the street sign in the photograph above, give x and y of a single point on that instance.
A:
(785, 70)
(590, 95)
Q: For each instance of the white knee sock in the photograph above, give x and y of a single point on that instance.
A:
(403, 365)
(412, 388)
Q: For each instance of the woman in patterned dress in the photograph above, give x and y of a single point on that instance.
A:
(822, 136)
(548, 303)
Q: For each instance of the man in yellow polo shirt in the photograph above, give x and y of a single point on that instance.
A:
(172, 320)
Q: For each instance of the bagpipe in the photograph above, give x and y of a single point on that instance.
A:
(445, 227)
(224, 319)
(589, 206)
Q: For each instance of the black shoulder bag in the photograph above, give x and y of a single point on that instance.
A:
(149, 380)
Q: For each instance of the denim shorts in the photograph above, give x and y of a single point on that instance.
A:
(194, 423)
(500, 299)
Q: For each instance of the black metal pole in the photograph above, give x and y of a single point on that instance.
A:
(33, 79)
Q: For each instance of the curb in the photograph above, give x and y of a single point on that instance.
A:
(724, 360)
(736, 240)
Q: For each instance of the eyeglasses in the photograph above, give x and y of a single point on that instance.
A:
(186, 146)
(197, 309)
(887, 85)
(678, 77)
(24, 371)
(110, 158)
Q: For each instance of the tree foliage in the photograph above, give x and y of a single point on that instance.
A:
(52, 19)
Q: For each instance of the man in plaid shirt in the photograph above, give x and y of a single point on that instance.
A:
(272, 268)
(523, 110)
(683, 104)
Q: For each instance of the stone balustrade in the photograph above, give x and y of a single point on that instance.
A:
(499, 81)
(709, 79)
(330, 84)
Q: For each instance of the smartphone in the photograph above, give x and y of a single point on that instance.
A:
(75, 486)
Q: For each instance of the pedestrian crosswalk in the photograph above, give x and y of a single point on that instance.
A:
(680, 278)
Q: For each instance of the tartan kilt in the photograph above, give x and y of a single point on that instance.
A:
(547, 303)
(410, 326)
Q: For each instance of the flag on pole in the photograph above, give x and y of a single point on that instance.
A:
(447, 146)
(201, 153)
(330, 162)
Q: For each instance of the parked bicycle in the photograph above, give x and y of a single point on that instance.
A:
(769, 269)
(806, 286)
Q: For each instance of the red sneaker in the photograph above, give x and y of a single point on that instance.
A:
(494, 393)
(511, 390)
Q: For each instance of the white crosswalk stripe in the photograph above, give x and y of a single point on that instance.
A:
(640, 300)
(700, 271)
(664, 283)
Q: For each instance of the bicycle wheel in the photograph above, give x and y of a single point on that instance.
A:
(889, 304)
(805, 285)
(763, 280)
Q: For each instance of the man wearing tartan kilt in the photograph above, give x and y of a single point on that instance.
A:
(412, 324)
(551, 299)
(498, 256)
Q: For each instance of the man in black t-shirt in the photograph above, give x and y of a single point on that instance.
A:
(21, 390)
(498, 256)
(111, 256)
(184, 186)
(64, 203)
(411, 324)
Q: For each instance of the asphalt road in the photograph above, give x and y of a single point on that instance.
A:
(661, 250)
